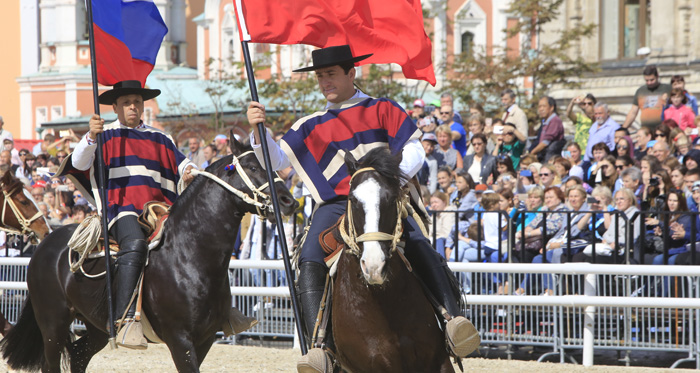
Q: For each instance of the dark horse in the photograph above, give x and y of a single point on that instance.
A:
(381, 318)
(20, 215)
(186, 294)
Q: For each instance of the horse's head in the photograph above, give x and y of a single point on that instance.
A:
(373, 214)
(245, 174)
(20, 212)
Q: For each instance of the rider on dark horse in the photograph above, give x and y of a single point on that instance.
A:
(142, 164)
(315, 146)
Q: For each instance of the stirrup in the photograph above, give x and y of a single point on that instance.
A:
(130, 335)
(462, 337)
(317, 360)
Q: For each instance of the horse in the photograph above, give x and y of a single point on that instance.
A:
(20, 215)
(186, 293)
(381, 317)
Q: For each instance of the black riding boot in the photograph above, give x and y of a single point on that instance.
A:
(311, 282)
(462, 337)
(130, 261)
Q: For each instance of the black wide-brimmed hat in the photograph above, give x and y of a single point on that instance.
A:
(127, 87)
(332, 56)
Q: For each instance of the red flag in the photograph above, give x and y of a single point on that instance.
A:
(390, 29)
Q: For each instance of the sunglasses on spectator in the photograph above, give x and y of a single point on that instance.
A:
(619, 167)
(477, 143)
(541, 174)
(660, 135)
(78, 196)
(445, 112)
(55, 182)
(22, 154)
(587, 103)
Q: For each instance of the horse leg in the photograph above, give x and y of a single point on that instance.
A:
(203, 349)
(184, 354)
(82, 350)
(55, 332)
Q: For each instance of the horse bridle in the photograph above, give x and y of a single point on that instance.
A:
(24, 222)
(351, 238)
(260, 199)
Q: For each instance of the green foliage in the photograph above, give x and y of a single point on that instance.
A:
(379, 81)
(481, 76)
(291, 97)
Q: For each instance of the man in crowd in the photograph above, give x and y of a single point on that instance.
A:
(446, 99)
(661, 151)
(209, 152)
(550, 136)
(335, 73)
(196, 154)
(641, 139)
(459, 134)
(514, 114)
(648, 100)
(603, 130)
(4, 134)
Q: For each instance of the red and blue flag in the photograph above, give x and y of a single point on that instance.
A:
(128, 34)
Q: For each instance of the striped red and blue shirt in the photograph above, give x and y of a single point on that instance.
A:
(316, 144)
(143, 164)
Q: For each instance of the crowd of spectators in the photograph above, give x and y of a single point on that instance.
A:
(530, 191)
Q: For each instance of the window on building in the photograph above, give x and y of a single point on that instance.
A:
(41, 116)
(625, 26)
(56, 112)
(467, 43)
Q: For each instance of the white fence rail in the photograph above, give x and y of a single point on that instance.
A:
(594, 307)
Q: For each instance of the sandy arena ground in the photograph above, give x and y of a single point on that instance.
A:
(226, 358)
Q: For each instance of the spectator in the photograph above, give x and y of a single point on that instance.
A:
(426, 121)
(444, 222)
(490, 235)
(621, 164)
(691, 159)
(682, 145)
(526, 161)
(679, 112)
(503, 164)
(479, 164)
(221, 144)
(624, 147)
(514, 114)
(602, 131)
(446, 99)
(600, 151)
(459, 135)
(450, 155)
(477, 109)
(573, 154)
(525, 182)
(648, 100)
(632, 180)
(662, 132)
(79, 213)
(209, 153)
(533, 203)
(620, 133)
(643, 136)
(463, 198)
(677, 81)
(196, 155)
(582, 120)
(550, 136)
(677, 175)
(505, 181)
(548, 177)
(4, 134)
(508, 143)
(615, 236)
(25, 170)
(445, 180)
(562, 166)
(535, 169)
(9, 145)
(477, 126)
(418, 111)
(428, 174)
(5, 159)
(534, 238)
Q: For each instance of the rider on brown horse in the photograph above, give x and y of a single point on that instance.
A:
(142, 164)
(315, 146)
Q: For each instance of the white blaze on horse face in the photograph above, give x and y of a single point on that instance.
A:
(373, 258)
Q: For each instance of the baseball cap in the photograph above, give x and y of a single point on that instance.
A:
(480, 188)
(40, 184)
(435, 103)
(419, 103)
(429, 137)
(220, 137)
(696, 185)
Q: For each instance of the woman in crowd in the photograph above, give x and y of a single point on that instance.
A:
(25, 169)
(624, 146)
(562, 166)
(548, 176)
(463, 198)
(444, 221)
(503, 164)
(600, 151)
(451, 155)
(677, 176)
(607, 173)
(534, 235)
(582, 120)
(662, 132)
(479, 164)
(676, 205)
(445, 180)
(625, 202)
(534, 203)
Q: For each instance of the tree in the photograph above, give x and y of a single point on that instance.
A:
(481, 76)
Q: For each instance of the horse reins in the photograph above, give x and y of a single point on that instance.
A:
(24, 222)
(351, 238)
(265, 202)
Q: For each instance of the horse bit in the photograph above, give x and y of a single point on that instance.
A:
(265, 202)
(24, 222)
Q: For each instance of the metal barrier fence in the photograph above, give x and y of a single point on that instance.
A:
(596, 307)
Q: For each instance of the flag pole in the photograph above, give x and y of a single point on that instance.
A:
(275, 203)
(102, 191)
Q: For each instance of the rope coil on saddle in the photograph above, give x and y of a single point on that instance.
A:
(83, 240)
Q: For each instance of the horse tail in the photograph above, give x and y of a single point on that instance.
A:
(23, 346)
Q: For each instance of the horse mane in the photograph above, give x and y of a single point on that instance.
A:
(196, 185)
(386, 164)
